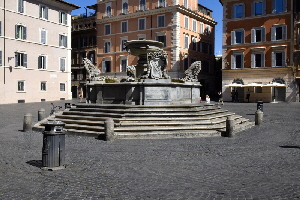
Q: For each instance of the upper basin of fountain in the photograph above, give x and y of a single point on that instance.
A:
(138, 47)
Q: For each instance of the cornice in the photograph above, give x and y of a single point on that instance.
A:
(176, 8)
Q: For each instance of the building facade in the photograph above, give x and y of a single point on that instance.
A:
(186, 28)
(35, 50)
(259, 45)
(84, 45)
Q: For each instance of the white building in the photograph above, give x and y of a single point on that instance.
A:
(35, 50)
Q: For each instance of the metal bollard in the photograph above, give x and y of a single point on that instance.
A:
(258, 117)
(53, 152)
(41, 114)
(229, 126)
(109, 129)
(27, 124)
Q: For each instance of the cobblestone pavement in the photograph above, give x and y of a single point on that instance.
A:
(260, 163)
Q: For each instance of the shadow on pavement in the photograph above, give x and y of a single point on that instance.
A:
(35, 163)
(290, 147)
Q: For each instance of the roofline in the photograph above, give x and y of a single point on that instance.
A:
(69, 4)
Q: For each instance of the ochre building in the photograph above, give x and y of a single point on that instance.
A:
(260, 39)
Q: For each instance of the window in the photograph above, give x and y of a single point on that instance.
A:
(93, 41)
(21, 86)
(106, 29)
(62, 64)
(63, 41)
(125, 8)
(186, 41)
(43, 12)
(201, 27)
(194, 43)
(123, 64)
(258, 8)
(142, 24)
(238, 11)
(21, 60)
(207, 30)
(42, 62)
(21, 32)
(185, 3)
(124, 27)
(21, 6)
(161, 38)
(278, 32)
(279, 6)
(123, 41)
(237, 37)
(43, 36)
(186, 22)
(63, 17)
(108, 11)
(92, 57)
(82, 56)
(297, 6)
(161, 21)
(43, 86)
(278, 59)
(62, 87)
(83, 41)
(161, 3)
(237, 61)
(106, 46)
(142, 5)
(186, 63)
(0, 58)
(194, 25)
(258, 34)
(106, 66)
(258, 60)
(204, 47)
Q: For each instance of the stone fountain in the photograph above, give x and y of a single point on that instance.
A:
(148, 82)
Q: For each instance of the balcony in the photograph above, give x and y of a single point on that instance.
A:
(161, 4)
(107, 15)
(124, 12)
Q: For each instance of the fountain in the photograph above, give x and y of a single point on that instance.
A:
(148, 82)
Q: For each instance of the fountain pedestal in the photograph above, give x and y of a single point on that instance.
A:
(145, 92)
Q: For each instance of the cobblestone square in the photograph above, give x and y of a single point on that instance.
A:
(260, 163)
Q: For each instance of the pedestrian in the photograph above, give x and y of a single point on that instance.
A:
(207, 99)
(248, 95)
(236, 96)
(220, 97)
(80, 96)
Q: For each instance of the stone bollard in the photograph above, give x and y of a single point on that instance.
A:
(41, 114)
(109, 129)
(258, 117)
(27, 124)
(229, 126)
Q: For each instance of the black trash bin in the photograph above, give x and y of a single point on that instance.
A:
(260, 106)
(53, 152)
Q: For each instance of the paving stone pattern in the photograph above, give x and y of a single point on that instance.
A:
(259, 163)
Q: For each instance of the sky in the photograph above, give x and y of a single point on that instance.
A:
(213, 5)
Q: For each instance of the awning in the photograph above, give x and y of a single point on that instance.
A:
(234, 85)
(274, 84)
(254, 85)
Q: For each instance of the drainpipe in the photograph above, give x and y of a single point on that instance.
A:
(292, 34)
(4, 54)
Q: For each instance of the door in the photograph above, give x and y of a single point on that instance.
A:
(280, 93)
